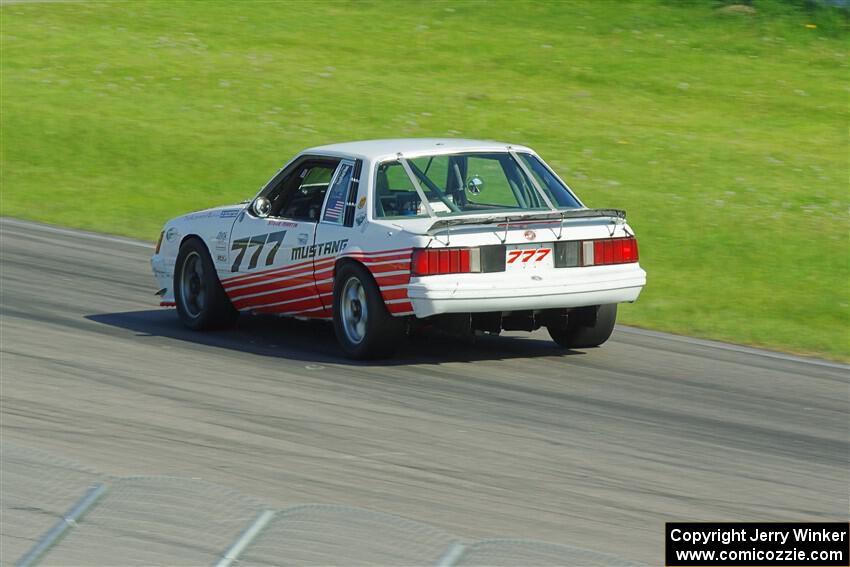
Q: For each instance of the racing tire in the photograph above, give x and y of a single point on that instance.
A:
(201, 302)
(363, 326)
(586, 328)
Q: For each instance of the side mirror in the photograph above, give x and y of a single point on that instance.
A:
(261, 207)
(475, 185)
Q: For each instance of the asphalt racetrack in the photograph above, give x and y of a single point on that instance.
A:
(507, 437)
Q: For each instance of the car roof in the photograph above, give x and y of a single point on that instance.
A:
(409, 147)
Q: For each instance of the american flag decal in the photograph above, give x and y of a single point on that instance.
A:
(332, 213)
(336, 199)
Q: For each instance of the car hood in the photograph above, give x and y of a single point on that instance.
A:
(224, 211)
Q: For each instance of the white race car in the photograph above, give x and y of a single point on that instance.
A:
(381, 236)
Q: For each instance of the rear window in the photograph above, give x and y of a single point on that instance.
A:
(467, 183)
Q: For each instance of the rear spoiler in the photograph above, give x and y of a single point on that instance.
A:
(613, 214)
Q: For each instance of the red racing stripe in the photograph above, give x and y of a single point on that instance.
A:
(283, 295)
(327, 287)
(303, 301)
(270, 286)
(262, 273)
(398, 293)
(271, 282)
(397, 251)
(319, 314)
(294, 307)
(378, 260)
(325, 273)
(280, 273)
(399, 279)
(363, 256)
(371, 257)
(390, 267)
(521, 225)
(403, 307)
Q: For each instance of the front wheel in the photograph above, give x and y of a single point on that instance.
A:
(586, 327)
(201, 301)
(363, 326)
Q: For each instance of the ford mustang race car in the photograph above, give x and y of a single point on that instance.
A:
(383, 236)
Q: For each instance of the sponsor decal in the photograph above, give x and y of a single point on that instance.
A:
(221, 240)
(316, 250)
(171, 234)
(529, 235)
(302, 238)
(288, 224)
(199, 215)
(229, 213)
(259, 241)
(360, 218)
(221, 258)
(361, 203)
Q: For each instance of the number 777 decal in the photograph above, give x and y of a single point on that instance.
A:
(525, 256)
(260, 240)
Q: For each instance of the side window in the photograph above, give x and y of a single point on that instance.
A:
(304, 191)
(395, 195)
(338, 194)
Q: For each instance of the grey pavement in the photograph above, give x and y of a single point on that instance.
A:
(509, 437)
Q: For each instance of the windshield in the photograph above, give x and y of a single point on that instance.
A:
(467, 183)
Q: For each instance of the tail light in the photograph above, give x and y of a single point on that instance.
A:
(575, 253)
(159, 242)
(609, 251)
(431, 261)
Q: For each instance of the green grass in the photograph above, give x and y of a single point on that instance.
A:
(725, 136)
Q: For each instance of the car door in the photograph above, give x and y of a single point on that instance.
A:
(271, 259)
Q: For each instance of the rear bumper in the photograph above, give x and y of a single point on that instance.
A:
(560, 288)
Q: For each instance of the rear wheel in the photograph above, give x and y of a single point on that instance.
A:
(201, 301)
(586, 327)
(363, 326)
